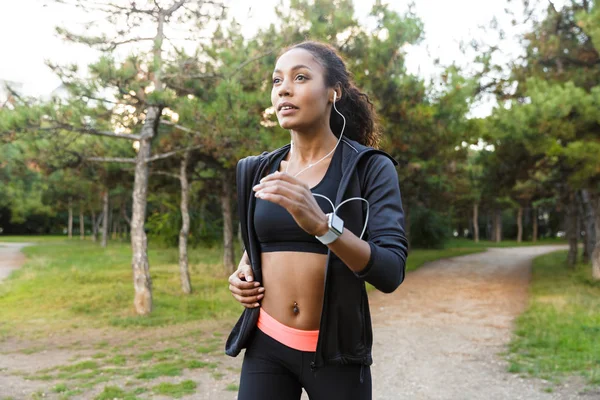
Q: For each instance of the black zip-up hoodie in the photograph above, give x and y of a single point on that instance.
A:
(345, 333)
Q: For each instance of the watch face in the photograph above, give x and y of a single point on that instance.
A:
(336, 223)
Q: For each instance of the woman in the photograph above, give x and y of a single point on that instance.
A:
(302, 277)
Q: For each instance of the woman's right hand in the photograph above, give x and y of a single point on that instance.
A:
(243, 287)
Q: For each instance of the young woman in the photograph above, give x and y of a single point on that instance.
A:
(309, 249)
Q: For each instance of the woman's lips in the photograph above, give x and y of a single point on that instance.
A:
(288, 111)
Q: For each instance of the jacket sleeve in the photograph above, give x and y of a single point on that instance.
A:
(386, 235)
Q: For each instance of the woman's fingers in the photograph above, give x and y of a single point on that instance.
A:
(246, 292)
(251, 301)
(236, 280)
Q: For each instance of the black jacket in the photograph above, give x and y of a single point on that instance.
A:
(345, 333)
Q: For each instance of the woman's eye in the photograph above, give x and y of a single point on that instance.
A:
(301, 76)
(276, 80)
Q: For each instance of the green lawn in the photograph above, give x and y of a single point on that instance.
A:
(73, 282)
(559, 333)
(69, 281)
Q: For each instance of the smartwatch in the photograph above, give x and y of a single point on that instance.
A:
(336, 227)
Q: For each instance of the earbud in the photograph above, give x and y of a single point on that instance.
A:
(334, 96)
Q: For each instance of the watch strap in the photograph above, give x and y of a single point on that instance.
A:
(332, 234)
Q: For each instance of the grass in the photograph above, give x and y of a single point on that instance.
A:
(558, 335)
(175, 390)
(72, 283)
(115, 392)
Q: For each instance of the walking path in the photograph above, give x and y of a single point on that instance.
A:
(11, 258)
(440, 334)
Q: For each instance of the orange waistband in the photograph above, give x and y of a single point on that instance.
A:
(295, 338)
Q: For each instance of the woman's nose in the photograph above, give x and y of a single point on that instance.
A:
(284, 89)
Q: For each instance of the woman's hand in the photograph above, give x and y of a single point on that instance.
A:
(246, 291)
(296, 197)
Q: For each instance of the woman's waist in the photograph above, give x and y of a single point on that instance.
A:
(294, 287)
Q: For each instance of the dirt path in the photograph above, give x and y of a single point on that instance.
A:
(439, 335)
(11, 258)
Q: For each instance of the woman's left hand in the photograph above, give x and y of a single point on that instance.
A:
(296, 197)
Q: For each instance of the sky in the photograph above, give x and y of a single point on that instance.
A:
(27, 36)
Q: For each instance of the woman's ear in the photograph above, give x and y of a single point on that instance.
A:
(338, 91)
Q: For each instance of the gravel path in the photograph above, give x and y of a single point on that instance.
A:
(439, 335)
(11, 258)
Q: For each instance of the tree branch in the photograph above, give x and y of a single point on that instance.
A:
(180, 127)
(169, 174)
(92, 131)
(242, 65)
(114, 44)
(112, 159)
(176, 6)
(171, 153)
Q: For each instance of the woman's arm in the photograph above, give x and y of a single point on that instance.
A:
(381, 260)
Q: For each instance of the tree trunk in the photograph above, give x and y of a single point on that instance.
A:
(104, 218)
(115, 225)
(184, 273)
(228, 250)
(98, 222)
(586, 211)
(571, 229)
(94, 227)
(81, 223)
(70, 225)
(139, 242)
(520, 225)
(476, 222)
(595, 202)
(498, 225)
(535, 225)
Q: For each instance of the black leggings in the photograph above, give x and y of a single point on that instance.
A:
(272, 370)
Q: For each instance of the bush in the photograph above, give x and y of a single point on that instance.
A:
(428, 228)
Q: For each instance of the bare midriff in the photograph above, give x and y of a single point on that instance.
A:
(294, 281)
(294, 284)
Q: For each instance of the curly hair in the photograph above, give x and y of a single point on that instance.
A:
(361, 119)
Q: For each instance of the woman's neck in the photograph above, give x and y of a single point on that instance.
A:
(309, 148)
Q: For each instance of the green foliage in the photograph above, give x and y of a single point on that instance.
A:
(429, 228)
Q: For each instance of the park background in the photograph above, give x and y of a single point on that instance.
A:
(118, 164)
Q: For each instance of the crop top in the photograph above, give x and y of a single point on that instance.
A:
(275, 227)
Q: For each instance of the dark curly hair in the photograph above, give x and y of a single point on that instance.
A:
(361, 118)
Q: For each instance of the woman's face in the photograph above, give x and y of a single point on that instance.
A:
(299, 94)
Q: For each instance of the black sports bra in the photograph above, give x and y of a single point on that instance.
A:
(276, 228)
